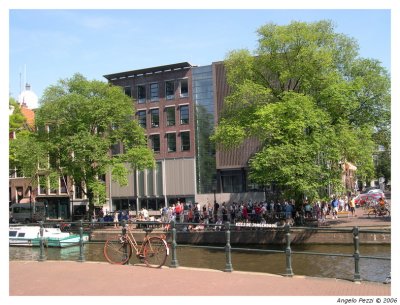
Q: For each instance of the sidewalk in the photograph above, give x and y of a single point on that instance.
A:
(63, 278)
(360, 219)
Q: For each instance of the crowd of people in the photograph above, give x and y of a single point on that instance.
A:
(265, 212)
(277, 212)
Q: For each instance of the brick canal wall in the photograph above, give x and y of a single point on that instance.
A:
(272, 236)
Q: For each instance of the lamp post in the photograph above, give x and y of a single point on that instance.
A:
(30, 201)
(71, 210)
(214, 189)
(215, 195)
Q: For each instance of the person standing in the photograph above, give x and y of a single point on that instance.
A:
(352, 205)
(335, 205)
(116, 219)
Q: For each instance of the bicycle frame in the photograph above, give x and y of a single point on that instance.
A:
(131, 239)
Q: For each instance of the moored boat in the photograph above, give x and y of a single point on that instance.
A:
(52, 237)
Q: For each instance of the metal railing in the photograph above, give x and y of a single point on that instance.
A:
(227, 248)
(288, 252)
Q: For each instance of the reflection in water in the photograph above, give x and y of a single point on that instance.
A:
(275, 263)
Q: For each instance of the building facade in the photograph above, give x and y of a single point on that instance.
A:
(178, 105)
(162, 97)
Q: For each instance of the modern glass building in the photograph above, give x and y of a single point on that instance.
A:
(203, 97)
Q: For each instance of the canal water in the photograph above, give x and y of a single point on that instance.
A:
(375, 270)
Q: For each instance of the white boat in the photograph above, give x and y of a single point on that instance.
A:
(52, 237)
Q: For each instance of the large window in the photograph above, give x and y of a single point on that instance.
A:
(141, 115)
(232, 181)
(184, 87)
(154, 92)
(128, 91)
(169, 90)
(141, 94)
(185, 140)
(171, 142)
(155, 142)
(184, 114)
(170, 115)
(155, 118)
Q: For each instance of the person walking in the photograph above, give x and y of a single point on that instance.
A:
(352, 205)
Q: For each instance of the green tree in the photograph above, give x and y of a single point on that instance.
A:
(17, 124)
(16, 120)
(77, 124)
(311, 103)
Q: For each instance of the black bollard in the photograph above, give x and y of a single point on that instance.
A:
(42, 257)
(174, 260)
(81, 254)
(228, 262)
(356, 255)
(289, 271)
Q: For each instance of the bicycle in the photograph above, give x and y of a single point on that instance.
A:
(153, 250)
(379, 211)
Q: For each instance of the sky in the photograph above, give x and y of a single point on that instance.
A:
(49, 45)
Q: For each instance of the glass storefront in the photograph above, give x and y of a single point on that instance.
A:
(56, 207)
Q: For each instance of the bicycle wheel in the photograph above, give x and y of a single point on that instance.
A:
(386, 212)
(117, 250)
(372, 213)
(155, 252)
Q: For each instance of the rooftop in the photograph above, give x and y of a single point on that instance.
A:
(149, 71)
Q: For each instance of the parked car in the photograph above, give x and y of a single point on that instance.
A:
(371, 195)
(372, 189)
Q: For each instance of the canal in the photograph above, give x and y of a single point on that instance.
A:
(375, 270)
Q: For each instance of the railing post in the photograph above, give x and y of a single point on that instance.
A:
(356, 255)
(81, 254)
(228, 263)
(125, 244)
(174, 260)
(42, 257)
(289, 271)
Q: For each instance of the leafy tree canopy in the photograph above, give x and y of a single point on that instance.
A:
(77, 124)
(312, 103)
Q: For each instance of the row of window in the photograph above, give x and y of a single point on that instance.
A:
(152, 91)
(169, 116)
(171, 141)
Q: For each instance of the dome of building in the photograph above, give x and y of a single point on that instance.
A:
(28, 98)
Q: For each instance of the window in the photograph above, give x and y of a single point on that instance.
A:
(42, 185)
(141, 94)
(20, 193)
(184, 88)
(154, 92)
(78, 191)
(141, 115)
(155, 118)
(128, 91)
(115, 149)
(232, 181)
(171, 142)
(184, 113)
(169, 90)
(185, 140)
(63, 183)
(155, 142)
(170, 114)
